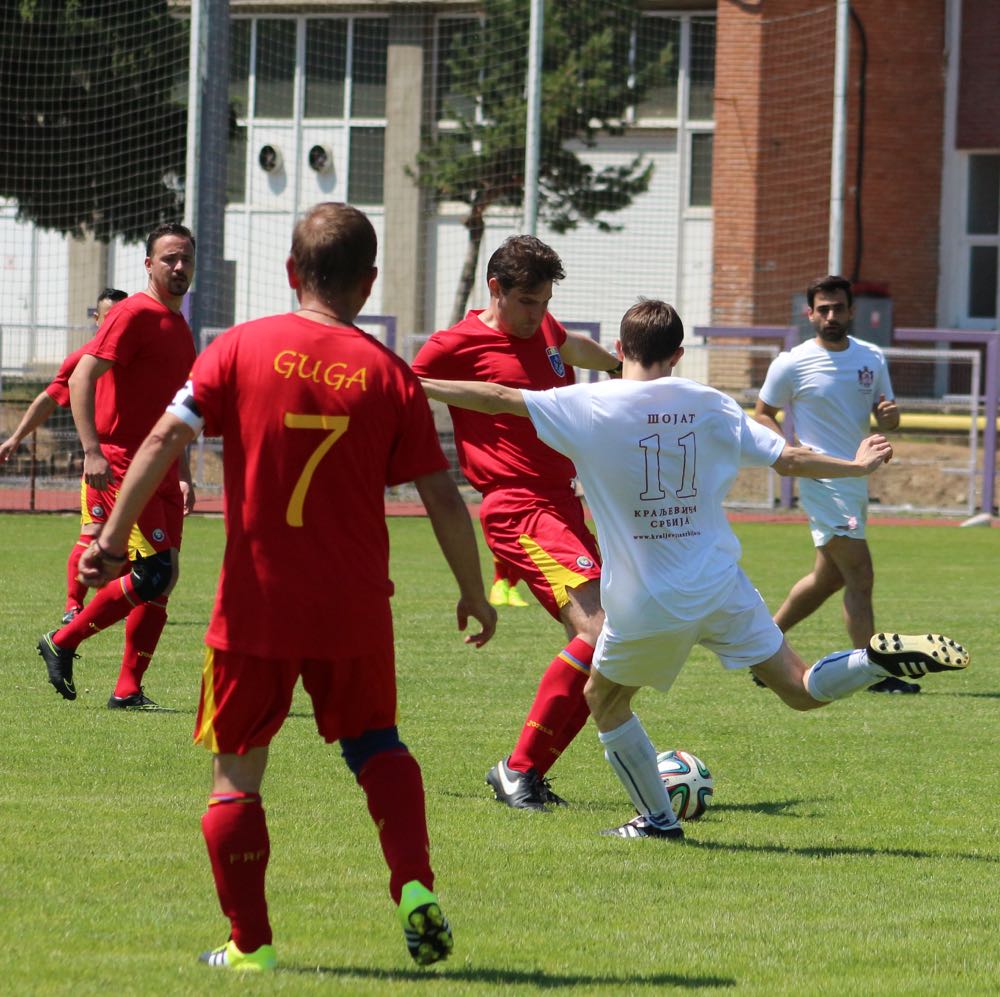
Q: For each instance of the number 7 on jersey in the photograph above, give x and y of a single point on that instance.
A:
(337, 426)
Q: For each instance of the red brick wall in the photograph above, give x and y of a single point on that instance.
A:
(979, 82)
(774, 97)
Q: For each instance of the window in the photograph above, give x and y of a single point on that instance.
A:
(364, 185)
(456, 37)
(236, 166)
(275, 69)
(700, 173)
(368, 67)
(326, 68)
(982, 227)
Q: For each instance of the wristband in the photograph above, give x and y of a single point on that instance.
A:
(105, 556)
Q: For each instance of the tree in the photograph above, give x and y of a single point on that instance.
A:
(91, 114)
(587, 87)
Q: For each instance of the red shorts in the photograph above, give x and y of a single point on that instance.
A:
(245, 699)
(543, 537)
(162, 520)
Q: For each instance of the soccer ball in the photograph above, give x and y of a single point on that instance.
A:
(688, 782)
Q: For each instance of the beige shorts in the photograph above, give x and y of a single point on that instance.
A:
(835, 508)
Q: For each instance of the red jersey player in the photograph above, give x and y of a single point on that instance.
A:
(131, 369)
(54, 396)
(317, 419)
(531, 518)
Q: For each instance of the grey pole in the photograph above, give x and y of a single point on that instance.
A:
(839, 145)
(533, 124)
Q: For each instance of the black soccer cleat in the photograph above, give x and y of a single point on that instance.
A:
(912, 656)
(137, 701)
(59, 662)
(643, 827)
(550, 796)
(895, 687)
(520, 790)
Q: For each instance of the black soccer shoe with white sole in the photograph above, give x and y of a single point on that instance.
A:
(643, 827)
(59, 663)
(909, 657)
(520, 790)
(895, 687)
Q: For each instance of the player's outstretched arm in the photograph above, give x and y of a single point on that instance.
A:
(582, 351)
(802, 462)
(479, 396)
(38, 411)
(102, 560)
(457, 540)
(767, 415)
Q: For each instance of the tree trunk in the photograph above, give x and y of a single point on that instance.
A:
(474, 223)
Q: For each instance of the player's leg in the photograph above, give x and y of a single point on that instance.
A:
(843, 673)
(500, 589)
(243, 703)
(546, 540)
(76, 591)
(810, 591)
(627, 747)
(853, 560)
(354, 701)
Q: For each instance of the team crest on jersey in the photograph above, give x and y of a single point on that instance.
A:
(584, 562)
(97, 511)
(158, 535)
(555, 358)
(866, 378)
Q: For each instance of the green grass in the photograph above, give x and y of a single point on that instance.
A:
(849, 851)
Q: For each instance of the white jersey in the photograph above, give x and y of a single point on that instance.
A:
(656, 459)
(830, 394)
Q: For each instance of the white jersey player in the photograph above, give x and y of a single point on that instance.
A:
(832, 385)
(657, 455)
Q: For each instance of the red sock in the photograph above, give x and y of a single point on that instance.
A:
(112, 603)
(395, 791)
(556, 715)
(143, 627)
(235, 831)
(76, 591)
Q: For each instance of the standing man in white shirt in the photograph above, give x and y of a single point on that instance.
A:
(657, 455)
(832, 385)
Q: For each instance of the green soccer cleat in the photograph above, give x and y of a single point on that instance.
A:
(426, 929)
(514, 598)
(500, 592)
(136, 702)
(228, 956)
(909, 657)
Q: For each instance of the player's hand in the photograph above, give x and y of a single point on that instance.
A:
(98, 565)
(187, 496)
(479, 609)
(887, 413)
(874, 451)
(97, 472)
(7, 450)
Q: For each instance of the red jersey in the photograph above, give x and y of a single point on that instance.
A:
(152, 349)
(58, 389)
(316, 421)
(496, 451)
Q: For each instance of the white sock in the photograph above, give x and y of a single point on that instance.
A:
(631, 754)
(840, 675)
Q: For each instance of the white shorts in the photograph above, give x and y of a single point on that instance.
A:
(836, 508)
(741, 633)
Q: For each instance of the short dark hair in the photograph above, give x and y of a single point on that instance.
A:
(333, 248)
(112, 294)
(829, 285)
(524, 261)
(167, 228)
(651, 331)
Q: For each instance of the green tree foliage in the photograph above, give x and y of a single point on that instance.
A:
(586, 89)
(91, 114)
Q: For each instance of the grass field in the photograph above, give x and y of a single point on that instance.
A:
(853, 850)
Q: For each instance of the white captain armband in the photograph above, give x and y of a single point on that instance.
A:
(185, 408)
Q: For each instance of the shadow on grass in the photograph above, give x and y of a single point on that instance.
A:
(828, 851)
(772, 808)
(515, 977)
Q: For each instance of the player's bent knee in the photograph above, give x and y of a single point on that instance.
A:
(153, 576)
(357, 751)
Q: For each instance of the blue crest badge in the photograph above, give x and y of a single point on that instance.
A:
(555, 358)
